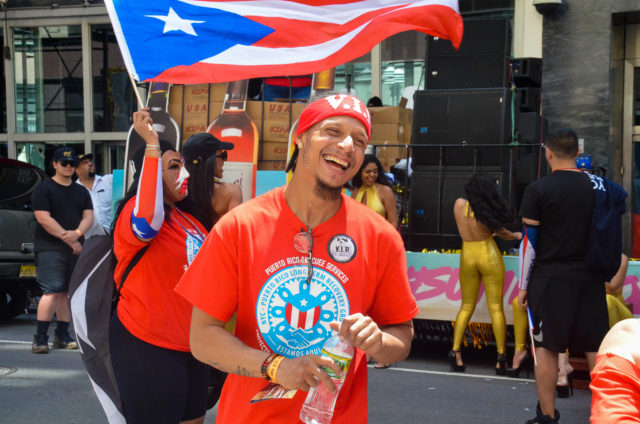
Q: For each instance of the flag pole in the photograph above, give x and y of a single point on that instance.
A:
(135, 90)
(533, 348)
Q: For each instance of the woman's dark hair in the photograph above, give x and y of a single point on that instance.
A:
(487, 204)
(137, 159)
(382, 179)
(201, 188)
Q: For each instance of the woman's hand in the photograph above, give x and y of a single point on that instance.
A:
(143, 125)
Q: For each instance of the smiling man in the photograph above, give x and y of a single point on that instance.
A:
(295, 264)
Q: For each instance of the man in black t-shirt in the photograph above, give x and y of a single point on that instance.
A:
(567, 301)
(64, 213)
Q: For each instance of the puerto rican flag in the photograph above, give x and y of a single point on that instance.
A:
(304, 320)
(202, 41)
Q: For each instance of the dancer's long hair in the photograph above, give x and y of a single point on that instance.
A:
(382, 179)
(487, 204)
(201, 189)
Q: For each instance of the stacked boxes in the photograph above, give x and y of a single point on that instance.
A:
(390, 127)
(195, 106)
(274, 121)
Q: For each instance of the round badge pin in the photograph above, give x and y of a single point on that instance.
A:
(342, 248)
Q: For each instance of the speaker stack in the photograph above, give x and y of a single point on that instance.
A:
(464, 122)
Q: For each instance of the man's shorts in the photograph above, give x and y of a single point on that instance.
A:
(568, 314)
(53, 270)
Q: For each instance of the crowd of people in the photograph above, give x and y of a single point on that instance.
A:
(305, 260)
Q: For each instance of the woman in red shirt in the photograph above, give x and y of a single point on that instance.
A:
(158, 378)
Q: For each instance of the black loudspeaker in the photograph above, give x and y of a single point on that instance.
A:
(530, 127)
(465, 121)
(531, 164)
(466, 71)
(526, 72)
(528, 99)
(431, 221)
(487, 36)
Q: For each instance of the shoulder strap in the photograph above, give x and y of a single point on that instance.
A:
(136, 258)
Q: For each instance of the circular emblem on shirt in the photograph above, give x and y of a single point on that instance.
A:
(342, 248)
(293, 316)
(193, 245)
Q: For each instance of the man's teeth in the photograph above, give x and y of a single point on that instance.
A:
(336, 160)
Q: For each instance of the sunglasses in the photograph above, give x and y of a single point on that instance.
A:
(222, 155)
(72, 163)
(303, 242)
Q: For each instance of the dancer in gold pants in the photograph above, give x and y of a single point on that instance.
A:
(479, 217)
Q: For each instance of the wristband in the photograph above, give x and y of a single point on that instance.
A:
(152, 147)
(272, 369)
(78, 232)
(265, 365)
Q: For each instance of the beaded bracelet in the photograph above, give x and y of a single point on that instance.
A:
(272, 369)
(265, 365)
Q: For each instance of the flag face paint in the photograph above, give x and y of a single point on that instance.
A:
(202, 41)
(182, 182)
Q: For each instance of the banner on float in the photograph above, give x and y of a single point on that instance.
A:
(435, 283)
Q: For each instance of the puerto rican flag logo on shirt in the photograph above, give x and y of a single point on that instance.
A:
(302, 319)
(293, 316)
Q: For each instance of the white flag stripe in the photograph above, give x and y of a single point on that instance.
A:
(252, 55)
(310, 317)
(333, 13)
(295, 314)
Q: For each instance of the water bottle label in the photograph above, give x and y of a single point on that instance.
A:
(342, 362)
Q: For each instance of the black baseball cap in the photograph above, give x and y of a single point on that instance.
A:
(83, 156)
(64, 154)
(200, 146)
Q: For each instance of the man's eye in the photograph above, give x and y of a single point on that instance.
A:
(174, 167)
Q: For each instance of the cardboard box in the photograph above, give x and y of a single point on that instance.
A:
(390, 155)
(272, 150)
(275, 111)
(215, 109)
(217, 91)
(386, 115)
(387, 132)
(175, 102)
(271, 165)
(273, 131)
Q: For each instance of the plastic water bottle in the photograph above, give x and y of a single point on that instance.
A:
(318, 407)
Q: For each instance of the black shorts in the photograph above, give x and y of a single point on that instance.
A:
(53, 270)
(568, 314)
(157, 385)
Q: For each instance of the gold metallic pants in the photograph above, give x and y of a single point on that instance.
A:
(481, 260)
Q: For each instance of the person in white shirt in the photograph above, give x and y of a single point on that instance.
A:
(100, 189)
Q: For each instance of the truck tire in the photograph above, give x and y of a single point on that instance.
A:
(13, 303)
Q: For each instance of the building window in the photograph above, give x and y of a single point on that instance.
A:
(48, 79)
(402, 64)
(113, 99)
(355, 77)
(3, 94)
(40, 154)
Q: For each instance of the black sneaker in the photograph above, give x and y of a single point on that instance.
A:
(64, 342)
(40, 344)
(544, 419)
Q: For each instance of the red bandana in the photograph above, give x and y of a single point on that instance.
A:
(336, 105)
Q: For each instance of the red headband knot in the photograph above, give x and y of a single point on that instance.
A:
(335, 105)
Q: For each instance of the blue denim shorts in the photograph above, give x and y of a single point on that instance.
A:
(53, 270)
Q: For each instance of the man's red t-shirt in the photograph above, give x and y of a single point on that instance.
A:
(149, 307)
(250, 263)
(615, 390)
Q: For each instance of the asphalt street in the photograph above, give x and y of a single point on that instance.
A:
(54, 388)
